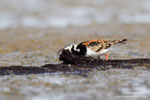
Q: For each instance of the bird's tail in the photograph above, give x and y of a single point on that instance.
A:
(119, 42)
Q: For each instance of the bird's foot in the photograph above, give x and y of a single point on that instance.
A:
(106, 55)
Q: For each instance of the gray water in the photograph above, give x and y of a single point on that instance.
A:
(63, 13)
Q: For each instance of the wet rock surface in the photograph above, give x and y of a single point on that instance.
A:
(30, 68)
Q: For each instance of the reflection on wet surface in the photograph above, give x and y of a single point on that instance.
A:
(98, 84)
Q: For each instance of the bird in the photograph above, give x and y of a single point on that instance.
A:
(94, 48)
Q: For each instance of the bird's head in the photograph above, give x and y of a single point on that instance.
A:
(70, 47)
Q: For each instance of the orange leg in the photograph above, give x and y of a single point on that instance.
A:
(106, 55)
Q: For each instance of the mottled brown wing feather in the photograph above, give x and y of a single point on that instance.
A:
(97, 45)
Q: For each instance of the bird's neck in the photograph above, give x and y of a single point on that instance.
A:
(80, 50)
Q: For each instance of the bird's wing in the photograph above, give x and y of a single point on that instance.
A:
(97, 44)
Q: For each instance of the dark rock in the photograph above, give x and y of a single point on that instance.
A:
(73, 63)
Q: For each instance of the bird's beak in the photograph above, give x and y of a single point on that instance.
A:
(60, 52)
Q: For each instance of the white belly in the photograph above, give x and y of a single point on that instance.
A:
(91, 53)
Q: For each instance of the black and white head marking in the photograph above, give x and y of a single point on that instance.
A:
(71, 48)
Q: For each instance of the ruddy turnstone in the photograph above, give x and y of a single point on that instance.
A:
(94, 48)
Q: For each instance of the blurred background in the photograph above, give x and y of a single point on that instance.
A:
(32, 31)
(63, 13)
(31, 27)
